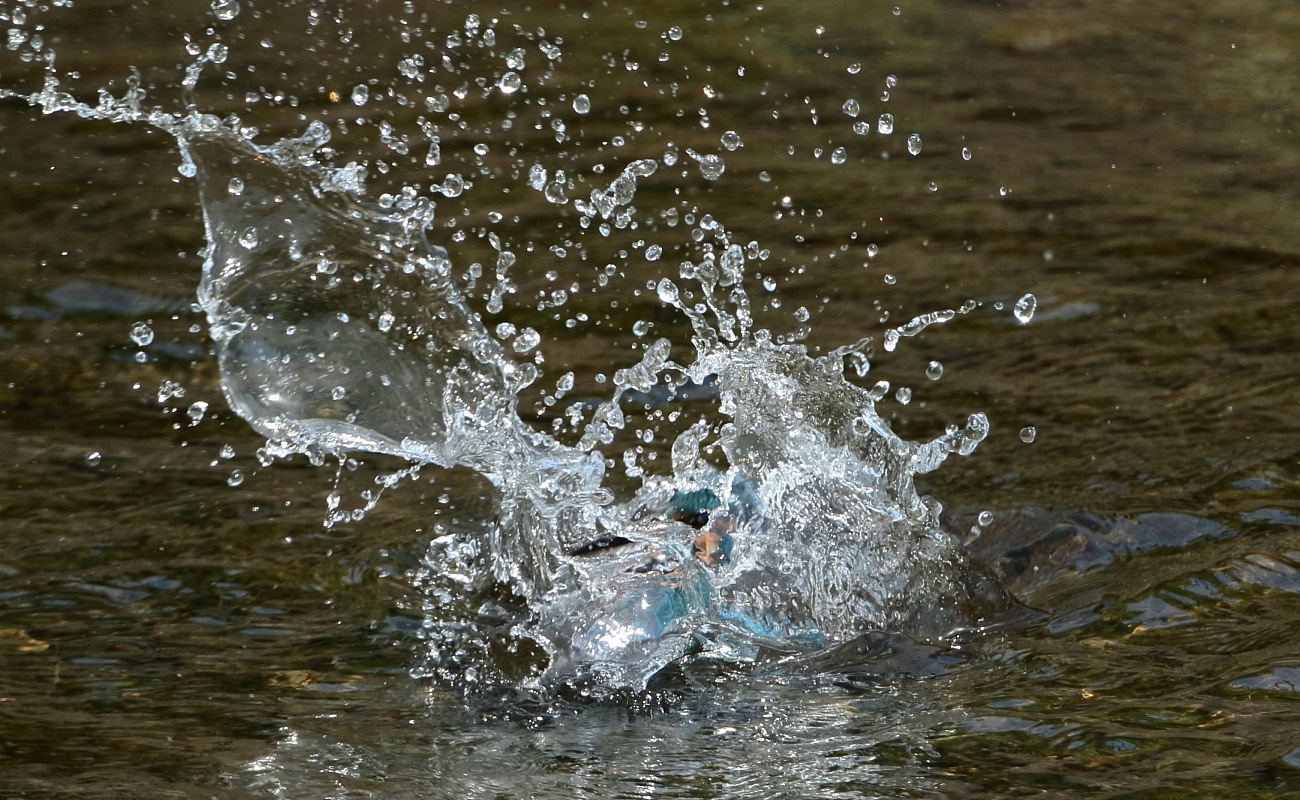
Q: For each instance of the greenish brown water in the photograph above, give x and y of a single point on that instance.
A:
(164, 634)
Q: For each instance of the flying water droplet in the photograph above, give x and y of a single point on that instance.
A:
(851, 107)
(236, 478)
(141, 334)
(528, 339)
(914, 144)
(985, 519)
(934, 370)
(93, 458)
(196, 411)
(510, 83)
(582, 104)
(885, 124)
(1028, 434)
(965, 154)
(248, 238)
(225, 9)
(731, 140)
(360, 94)
(653, 252)
(235, 187)
(1024, 309)
(839, 155)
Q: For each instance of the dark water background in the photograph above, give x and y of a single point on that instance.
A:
(1135, 166)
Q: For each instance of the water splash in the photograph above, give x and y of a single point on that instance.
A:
(339, 327)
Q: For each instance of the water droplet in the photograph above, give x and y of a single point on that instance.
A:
(1024, 309)
(141, 334)
(225, 9)
(934, 370)
(675, 34)
(196, 411)
(641, 327)
(890, 279)
(338, 393)
(515, 58)
(452, 185)
(236, 477)
(985, 519)
(839, 155)
(1028, 434)
(965, 154)
(872, 250)
(248, 238)
(1003, 191)
(528, 339)
(360, 94)
(653, 252)
(851, 107)
(914, 144)
(731, 140)
(510, 83)
(386, 321)
(235, 187)
(885, 124)
(582, 104)
(565, 383)
(854, 68)
(711, 165)
(93, 458)
(903, 395)
(227, 452)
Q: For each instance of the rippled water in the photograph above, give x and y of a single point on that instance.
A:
(175, 621)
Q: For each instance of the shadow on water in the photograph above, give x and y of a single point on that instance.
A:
(175, 621)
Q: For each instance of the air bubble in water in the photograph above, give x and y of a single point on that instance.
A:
(1028, 434)
(934, 370)
(582, 104)
(248, 238)
(510, 83)
(731, 140)
(914, 144)
(225, 9)
(141, 334)
(1025, 307)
